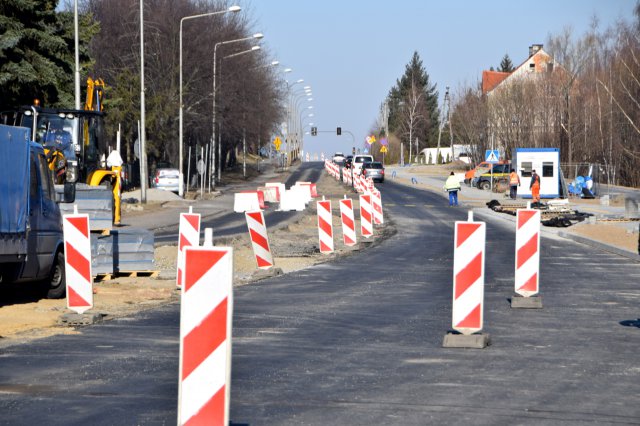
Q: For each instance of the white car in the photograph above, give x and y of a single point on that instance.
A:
(359, 160)
(167, 179)
(338, 157)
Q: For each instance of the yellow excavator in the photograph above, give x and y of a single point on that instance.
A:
(74, 142)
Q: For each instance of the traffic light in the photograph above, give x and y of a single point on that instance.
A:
(339, 131)
(314, 131)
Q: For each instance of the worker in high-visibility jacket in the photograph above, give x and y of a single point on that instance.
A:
(514, 183)
(452, 186)
(535, 187)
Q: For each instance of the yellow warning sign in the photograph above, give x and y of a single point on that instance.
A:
(383, 149)
(277, 142)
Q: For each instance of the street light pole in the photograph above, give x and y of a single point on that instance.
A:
(143, 149)
(213, 133)
(180, 137)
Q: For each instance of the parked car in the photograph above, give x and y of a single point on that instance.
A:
(167, 179)
(374, 170)
(481, 168)
(358, 160)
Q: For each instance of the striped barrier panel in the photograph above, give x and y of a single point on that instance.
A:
(376, 203)
(77, 259)
(188, 236)
(205, 335)
(468, 276)
(366, 224)
(325, 226)
(259, 239)
(348, 222)
(527, 252)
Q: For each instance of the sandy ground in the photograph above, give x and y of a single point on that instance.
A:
(25, 315)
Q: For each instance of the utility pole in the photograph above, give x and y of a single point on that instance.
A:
(143, 149)
(442, 124)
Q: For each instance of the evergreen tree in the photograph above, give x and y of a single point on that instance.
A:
(506, 65)
(36, 53)
(415, 75)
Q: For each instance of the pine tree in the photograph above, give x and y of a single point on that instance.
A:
(415, 75)
(36, 53)
(506, 65)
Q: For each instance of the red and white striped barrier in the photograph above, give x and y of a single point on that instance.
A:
(348, 222)
(247, 201)
(77, 259)
(527, 252)
(188, 236)
(468, 276)
(376, 203)
(259, 239)
(270, 194)
(366, 224)
(206, 312)
(279, 188)
(313, 192)
(292, 200)
(325, 226)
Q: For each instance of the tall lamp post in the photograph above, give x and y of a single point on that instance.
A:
(220, 12)
(213, 134)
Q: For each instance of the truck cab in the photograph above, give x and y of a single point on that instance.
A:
(31, 238)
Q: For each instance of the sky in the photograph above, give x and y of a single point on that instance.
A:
(351, 52)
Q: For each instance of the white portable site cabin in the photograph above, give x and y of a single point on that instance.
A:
(546, 163)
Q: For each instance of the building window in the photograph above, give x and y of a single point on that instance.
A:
(525, 171)
(547, 169)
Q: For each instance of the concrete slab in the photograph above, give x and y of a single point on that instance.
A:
(533, 302)
(261, 274)
(73, 319)
(473, 341)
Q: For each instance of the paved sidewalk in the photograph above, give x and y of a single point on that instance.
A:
(478, 199)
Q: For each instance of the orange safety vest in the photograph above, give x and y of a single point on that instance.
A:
(514, 179)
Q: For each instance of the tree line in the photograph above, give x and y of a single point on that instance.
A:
(37, 61)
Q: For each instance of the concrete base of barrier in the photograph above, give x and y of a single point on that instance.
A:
(533, 302)
(73, 319)
(473, 341)
(261, 274)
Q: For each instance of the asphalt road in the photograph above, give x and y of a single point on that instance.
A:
(359, 342)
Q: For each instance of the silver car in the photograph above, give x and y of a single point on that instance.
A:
(373, 170)
(167, 179)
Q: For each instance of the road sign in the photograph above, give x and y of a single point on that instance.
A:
(383, 149)
(277, 142)
(492, 156)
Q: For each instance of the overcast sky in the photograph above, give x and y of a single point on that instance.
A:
(351, 52)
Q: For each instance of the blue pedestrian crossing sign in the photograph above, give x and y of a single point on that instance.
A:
(492, 156)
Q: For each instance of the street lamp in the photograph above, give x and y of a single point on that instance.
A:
(220, 12)
(213, 134)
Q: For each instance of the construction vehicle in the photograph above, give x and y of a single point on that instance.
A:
(74, 141)
(31, 237)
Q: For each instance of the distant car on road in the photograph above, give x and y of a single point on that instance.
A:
(499, 173)
(167, 179)
(374, 170)
(338, 158)
(359, 160)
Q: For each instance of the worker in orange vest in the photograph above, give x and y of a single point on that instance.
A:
(514, 183)
(535, 187)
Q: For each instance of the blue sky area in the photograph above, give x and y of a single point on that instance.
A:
(351, 52)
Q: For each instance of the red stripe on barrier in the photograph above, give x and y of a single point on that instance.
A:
(256, 216)
(204, 339)
(78, 262)
(468, 275)
(324, 247)
(325, 226)
(527, 250)
(75, 299)
(81, 224)
(193, 220)
(262, 262)
(348, 240)
(259, 239)
(212, 412)
(465, 230)
(200, 262)
(524, 216)
(348, 221)
(531, 284)
(472, 320)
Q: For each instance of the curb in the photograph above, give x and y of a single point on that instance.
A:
(601, 246)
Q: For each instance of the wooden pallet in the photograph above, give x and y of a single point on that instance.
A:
(128, 274)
